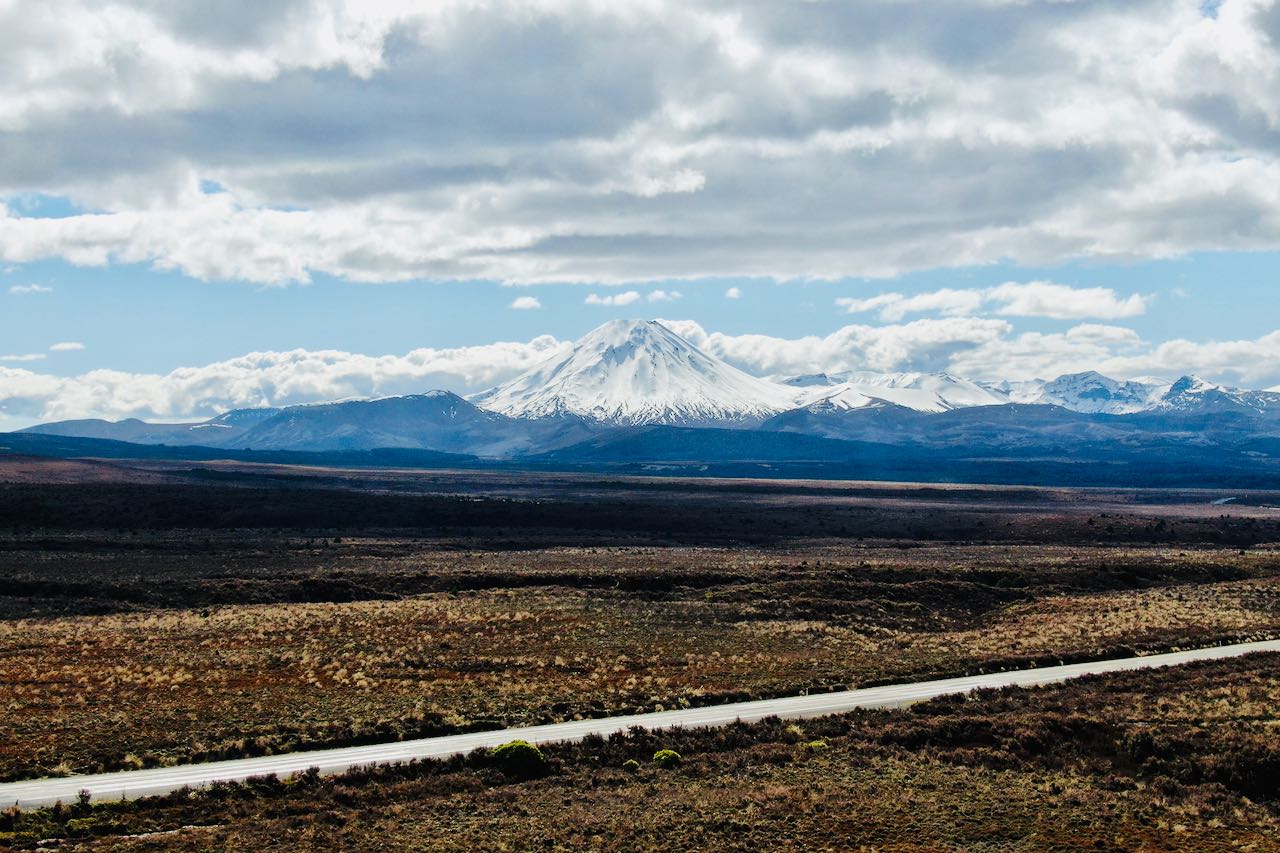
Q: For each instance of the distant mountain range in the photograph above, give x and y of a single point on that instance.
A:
(637, 392)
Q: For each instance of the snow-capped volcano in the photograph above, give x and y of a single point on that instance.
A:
(638, 372)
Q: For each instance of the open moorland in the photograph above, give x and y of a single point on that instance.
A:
(1166, 760)
(159, 613)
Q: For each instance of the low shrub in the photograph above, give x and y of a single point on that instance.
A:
(520, 759)
(667, 758)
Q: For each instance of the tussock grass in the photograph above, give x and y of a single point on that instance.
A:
(1176, 760)
(162, 686)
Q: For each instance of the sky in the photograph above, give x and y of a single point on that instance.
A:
(208, 206)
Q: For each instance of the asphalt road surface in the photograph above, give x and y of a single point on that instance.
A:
(133, 784)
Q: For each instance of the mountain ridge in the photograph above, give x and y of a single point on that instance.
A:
(628, 374)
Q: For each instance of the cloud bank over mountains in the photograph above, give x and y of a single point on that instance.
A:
(378, 141)
(976, 347)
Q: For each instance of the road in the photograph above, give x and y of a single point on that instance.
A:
(162, 780)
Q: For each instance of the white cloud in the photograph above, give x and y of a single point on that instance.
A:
(574, 140)
(920, 345)
(629, 297)
(894, 306)
(733, 293)
(1011, 299)
(526, 303)
(1112, 335)
(1062, 302)
(31, 356)
(664, 295)
(990, 348)
(1250, 363)
(264, 379)
(1036, 355)
(66, 346)
(23, 289)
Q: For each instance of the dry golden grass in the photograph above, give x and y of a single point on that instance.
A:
(121, 690)
(1150, 761)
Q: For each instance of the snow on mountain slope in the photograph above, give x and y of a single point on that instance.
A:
(955, 392)
(638, 372)
(810, 380)
(848, 395)
(1092, 393)
(1016, 390)
(1088, 393)
(841, 397)
(924, 392)
(1193, 395)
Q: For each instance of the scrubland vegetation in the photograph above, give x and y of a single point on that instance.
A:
(142, 623)
(1179, 759)
(151, 687)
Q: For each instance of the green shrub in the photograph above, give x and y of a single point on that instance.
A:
(631, 765)
(816, 745)
(667, 758)
(520, 759)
